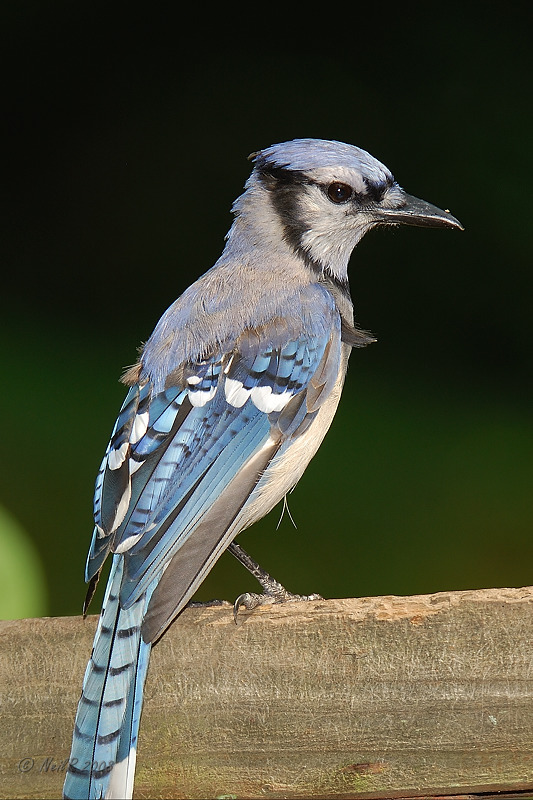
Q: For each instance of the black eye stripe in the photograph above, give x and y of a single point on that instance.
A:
(375, 191)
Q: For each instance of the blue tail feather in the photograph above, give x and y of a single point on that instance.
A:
(102, 760)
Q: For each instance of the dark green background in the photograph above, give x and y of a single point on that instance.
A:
(127, 135)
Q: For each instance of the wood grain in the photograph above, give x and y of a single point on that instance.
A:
(385, 697)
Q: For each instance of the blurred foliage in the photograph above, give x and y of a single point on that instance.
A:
(22, 580)
(125, 155)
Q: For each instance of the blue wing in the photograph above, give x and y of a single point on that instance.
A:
(174, 456)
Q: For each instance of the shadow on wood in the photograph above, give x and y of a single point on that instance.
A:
(382, 697)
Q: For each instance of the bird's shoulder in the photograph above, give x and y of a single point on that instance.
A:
(234, 306)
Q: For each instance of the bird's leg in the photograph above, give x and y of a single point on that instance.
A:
(273, 591)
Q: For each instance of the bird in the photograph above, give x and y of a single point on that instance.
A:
(228, 402)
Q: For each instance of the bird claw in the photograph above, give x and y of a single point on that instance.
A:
(275, 594)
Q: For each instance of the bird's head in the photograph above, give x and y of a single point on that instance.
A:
(327, 195)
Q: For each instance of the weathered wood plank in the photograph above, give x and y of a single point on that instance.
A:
(383, 697)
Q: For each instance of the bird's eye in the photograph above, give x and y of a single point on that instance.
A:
(339, 192)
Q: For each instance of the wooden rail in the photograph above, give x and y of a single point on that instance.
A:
(384, 697)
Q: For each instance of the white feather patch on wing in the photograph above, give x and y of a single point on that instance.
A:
(266, 400)
(140, 425)
(122, 508)
(228, 365)
(134, 465)
(116, 458)
(236, 394)
(129, 542)
(199, 399)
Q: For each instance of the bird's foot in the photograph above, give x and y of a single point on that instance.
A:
(273, 593)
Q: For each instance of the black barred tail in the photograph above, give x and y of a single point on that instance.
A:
(104, 743)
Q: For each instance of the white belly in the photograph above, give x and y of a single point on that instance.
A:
(286, 469)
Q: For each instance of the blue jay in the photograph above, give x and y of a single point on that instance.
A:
(229, 401)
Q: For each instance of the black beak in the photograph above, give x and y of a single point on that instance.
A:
(414, 211)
